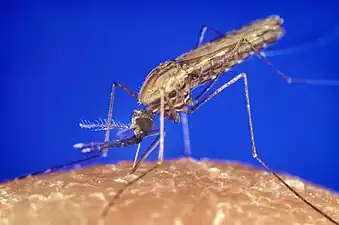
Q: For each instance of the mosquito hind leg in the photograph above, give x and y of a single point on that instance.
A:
(289, 79)
(110, 109)
(253, 147)
(248, 108)
(285, 77)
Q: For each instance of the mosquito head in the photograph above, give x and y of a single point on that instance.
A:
(142, 121)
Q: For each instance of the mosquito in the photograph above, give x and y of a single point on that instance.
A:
(167, 90)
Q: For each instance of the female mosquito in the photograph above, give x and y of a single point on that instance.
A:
(167, 89)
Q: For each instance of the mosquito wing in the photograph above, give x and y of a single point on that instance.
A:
(260, 33)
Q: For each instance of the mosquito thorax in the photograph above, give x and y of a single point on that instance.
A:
(141, 121)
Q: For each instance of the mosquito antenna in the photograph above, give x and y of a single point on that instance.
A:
(102, 124)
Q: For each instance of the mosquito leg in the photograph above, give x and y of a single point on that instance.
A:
(215, 92)
(206, 89)
(136, 162)
(119, 192)
(185, 129)
(162, 123)
(110, 108)
(174, 114)
(288, 79)
(145, 154)
(250, 126)
(184, 119)
(136, 156)
(184, 122)
(212, 82)
(158, 140)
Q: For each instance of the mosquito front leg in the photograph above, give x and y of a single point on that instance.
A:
(253, 147)
(159, 139)
(145, 154)
(136, 162)
(120, 191)
(136, 156)
(110, 109)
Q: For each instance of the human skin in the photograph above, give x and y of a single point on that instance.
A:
(181, 192)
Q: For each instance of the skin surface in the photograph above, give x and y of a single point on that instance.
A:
(180, 192)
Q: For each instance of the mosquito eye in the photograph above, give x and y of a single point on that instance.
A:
(145, 124)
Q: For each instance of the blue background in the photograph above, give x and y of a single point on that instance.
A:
(59, 60)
